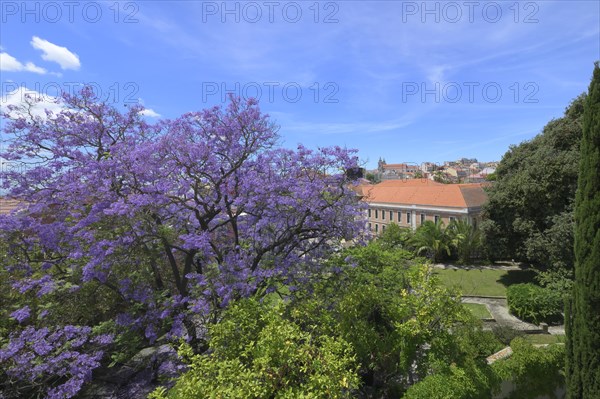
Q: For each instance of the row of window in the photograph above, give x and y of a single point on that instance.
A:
(408, 216)
(391, 215)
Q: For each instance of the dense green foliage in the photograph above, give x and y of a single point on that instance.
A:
(530, 208)
(433, 240)
(532, 371)
(533, 303)
(373, 329)
(535, 371)
(583, 314)
(466, 239)
(456, 382)
(459, 241)
(256, 352)
(390, 310)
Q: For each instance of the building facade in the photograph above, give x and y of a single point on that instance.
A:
(409, 203)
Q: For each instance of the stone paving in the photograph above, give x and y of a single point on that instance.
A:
(499, 310)
(498, 306)
(501, 266)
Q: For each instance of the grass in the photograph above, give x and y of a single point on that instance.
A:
(483, 282)
(541, 339)
(478, 310)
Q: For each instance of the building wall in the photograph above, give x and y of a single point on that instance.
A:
(379, 216)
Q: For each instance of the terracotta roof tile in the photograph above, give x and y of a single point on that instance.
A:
(408, 182)
(423, 193)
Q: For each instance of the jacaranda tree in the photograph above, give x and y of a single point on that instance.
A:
(159, 226)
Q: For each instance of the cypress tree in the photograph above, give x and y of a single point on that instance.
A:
(583, 310)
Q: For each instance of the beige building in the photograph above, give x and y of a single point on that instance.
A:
(7, 205)
(409, 203)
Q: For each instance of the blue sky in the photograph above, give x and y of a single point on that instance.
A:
(407, 81)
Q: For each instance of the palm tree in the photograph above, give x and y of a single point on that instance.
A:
(431, 240)
(466, 238)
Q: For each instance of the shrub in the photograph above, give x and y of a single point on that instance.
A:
(535, 371)
(255, 352)
(464, 383)
(534, 303)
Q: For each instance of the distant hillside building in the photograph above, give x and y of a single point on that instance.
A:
(7, 205)
(395, 171)
(409, 203)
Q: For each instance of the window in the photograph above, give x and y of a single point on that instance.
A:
(422, 218)
(408, 218)
(436, 218)
(383, 228)
(370, 226)
(391, 216)
(376, 213)
(376, 228)
(399, 217)
(382, 215)
(452, 219)
(369, 212)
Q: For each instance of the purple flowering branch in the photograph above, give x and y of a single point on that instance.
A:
(178, 218)
(69, 355)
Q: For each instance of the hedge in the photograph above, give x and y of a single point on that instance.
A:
(535, 304)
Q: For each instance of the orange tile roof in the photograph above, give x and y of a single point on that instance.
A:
(408, 182)
(432, 194)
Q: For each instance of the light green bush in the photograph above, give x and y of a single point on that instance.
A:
(456, 383)
(255, 352)
(534, 303)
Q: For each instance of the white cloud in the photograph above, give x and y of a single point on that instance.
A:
(21, 96)
(150, 113)
(9, 63)
(31, 67)
(61, 55)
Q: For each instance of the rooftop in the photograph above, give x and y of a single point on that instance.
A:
(426, 192)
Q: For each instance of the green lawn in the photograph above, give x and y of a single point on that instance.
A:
(483, 282)
(478, 310)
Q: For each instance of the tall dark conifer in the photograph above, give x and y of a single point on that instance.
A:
(583, 311)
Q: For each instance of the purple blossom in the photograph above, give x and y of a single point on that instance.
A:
(103, 339)
(21, 314)
(202, 209)
(36, 355)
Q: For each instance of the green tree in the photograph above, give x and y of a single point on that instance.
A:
(583, 313)
(393, 311)
(257, 352)
(440, 177)
(372, 177)
(432, 240)
(456, 382)
(530, 205)
(491, 177)
(466, 238)
(395, 236)
(534, 371)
